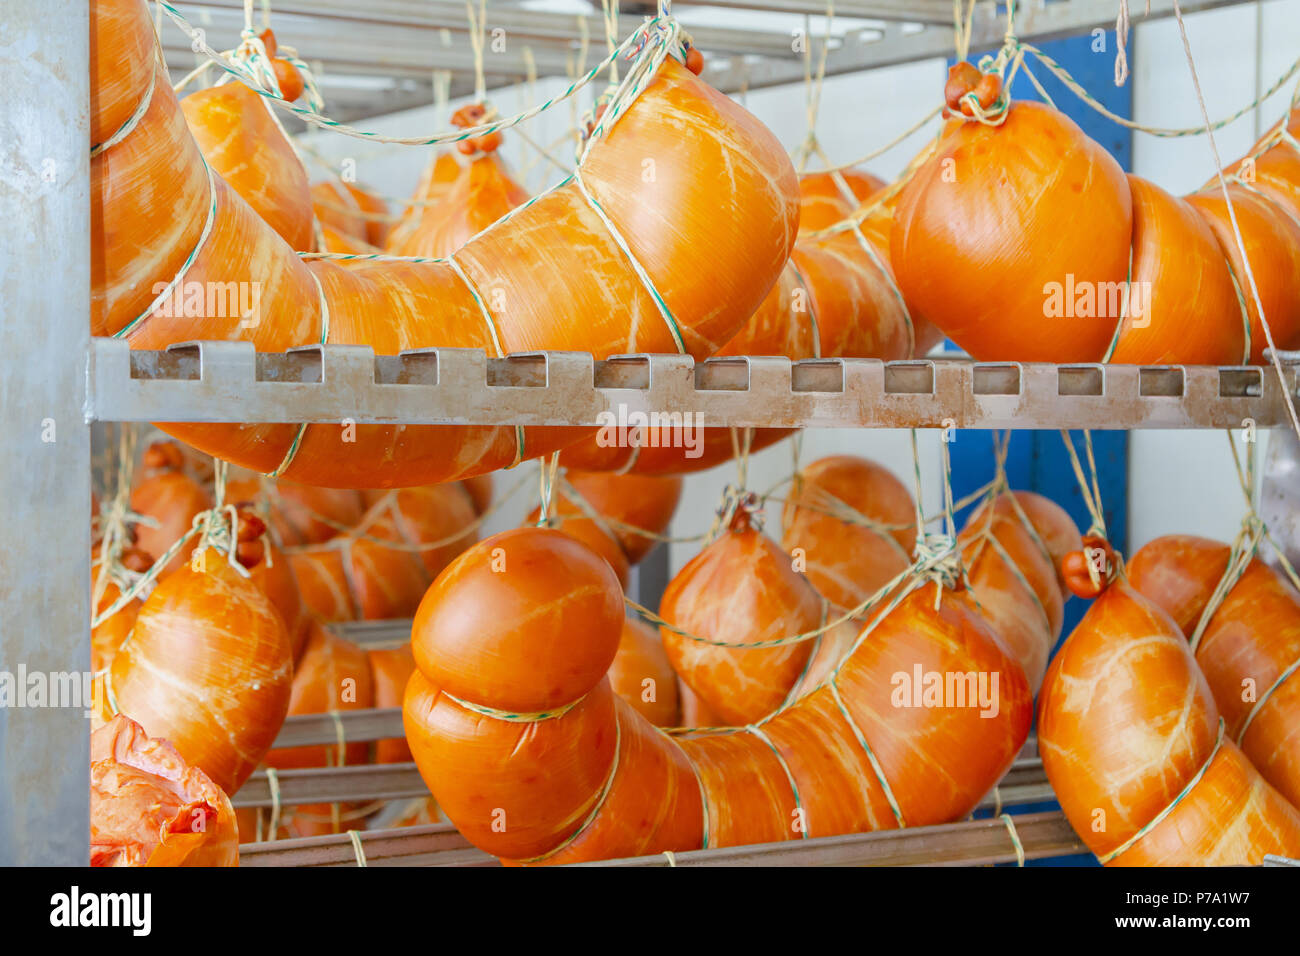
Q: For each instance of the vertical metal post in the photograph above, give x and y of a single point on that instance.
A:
(1279, 504)
(45, 470)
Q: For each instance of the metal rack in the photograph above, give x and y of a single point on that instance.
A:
(1025, 783)
(380, 57)
(228, 381)
(355, 726)
(55, 382)
(970, 843)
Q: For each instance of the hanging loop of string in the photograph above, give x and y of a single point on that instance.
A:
(216, 529)
(813, 86)
(477, 39)
(251, 59)
(1018, 61)
(736, 500)
(936, 553)
(1090, 490)
(1121, 41)
(116, 519)
(547, 483)
(609, 11)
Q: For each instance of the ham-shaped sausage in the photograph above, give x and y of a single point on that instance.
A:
(1249, 648)
(1131, 741)
(515, 728)
(208, 665)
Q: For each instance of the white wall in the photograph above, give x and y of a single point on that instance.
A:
(1179, 481)
(1184, 481)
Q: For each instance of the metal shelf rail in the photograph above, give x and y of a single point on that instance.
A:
(229, 381)
(356, 726)
(969, 843)
(1024, 783)
(380, 57)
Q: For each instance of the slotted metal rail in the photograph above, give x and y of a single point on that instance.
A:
(348, 384)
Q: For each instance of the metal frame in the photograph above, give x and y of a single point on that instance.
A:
(969, 843)
(404, 41)
(229, 381)
(972, 842)
(45, 479)
(363, 782)
(1280, 499)
(870, 50)
(355, 726)
(1025, 783)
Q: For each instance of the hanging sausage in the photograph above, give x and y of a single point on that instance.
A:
(242, 141)
(434, 183)
(1248, 648)
(381, 568)
(620, 516)
(642, 675)
(534, 759)
(167, 499)
(390, 669)
(1271, 236)
(1183, 296)
(569, 519)
(208, 665)
(270, 569)
(1140, 277)
(836, 298)
(482, 193)
(740, 589)
(853, 524)
(515, 287)
(1056, 531)
(1132, 743)
(332, 676)
(977, 239)
(298, 514)
(353, 214)
(1013, 579)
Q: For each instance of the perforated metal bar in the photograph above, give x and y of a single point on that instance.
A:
(229, 381)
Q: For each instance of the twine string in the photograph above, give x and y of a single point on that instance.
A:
(600, 798)
(1010, 824)
(477, 37)
(357, 849)
(1159, 817)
